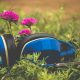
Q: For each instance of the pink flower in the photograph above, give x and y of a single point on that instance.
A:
(25, 32)
(10, 16)
(28, 21)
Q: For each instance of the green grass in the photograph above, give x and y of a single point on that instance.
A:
(26, 70)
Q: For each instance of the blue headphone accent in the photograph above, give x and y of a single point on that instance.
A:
(41, 44)
(2, 50)
(47, 43)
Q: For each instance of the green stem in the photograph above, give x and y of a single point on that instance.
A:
(30, 27)
(8, 27)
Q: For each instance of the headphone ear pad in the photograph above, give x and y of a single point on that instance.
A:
(38, 40)
(29, 38)
(9, 55)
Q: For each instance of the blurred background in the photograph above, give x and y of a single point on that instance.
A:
(71, 6)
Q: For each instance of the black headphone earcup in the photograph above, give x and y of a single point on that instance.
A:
(31, 37)
(9, 55)
(44, 52)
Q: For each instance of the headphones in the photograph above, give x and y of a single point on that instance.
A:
(51, 48)
(7, 50)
